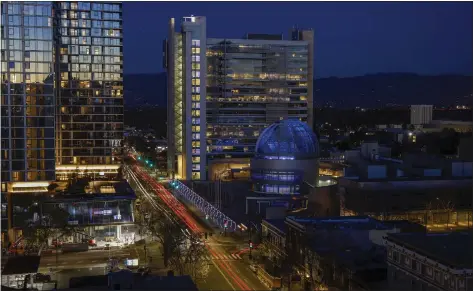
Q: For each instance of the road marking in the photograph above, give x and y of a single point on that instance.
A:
(235, 257)
(238, 256)
(94, 261)
(223, 275)
(78, 262)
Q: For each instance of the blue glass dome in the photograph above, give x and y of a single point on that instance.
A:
(287, 139)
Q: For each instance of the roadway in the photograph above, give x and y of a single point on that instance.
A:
(88, 259)
(229, 271)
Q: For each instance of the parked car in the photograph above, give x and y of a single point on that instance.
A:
(90, 242)
(144, 270)
(41, 278)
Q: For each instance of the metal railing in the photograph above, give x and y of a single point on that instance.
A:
(210, 211)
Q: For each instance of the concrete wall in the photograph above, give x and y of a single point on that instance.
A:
(324, 201)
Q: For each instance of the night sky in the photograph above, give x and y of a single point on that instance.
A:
(351, 38)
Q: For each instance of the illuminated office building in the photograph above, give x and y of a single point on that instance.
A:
(223, 92)
(89, 82)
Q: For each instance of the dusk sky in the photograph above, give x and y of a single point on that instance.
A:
(351, 38)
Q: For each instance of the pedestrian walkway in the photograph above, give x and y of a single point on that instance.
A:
(224, 257)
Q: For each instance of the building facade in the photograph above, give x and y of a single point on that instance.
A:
(27, 92)
(430, 262)
(222, 93)
(421, 114)
(89, 82)
(62, 94)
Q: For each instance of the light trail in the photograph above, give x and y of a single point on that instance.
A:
(184, 215)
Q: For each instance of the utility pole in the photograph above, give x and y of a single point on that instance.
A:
(57, 254)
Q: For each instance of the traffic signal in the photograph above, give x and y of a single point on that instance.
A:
(139, 158)
(250, 243)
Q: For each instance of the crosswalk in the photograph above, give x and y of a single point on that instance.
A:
(226, 257)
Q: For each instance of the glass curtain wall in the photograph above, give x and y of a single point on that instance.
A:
(89, 73)
(250, 85)
(27, 137)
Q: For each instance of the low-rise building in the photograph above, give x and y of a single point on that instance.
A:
(433, 262)
(342, 252)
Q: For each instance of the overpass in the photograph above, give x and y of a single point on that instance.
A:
(180, 190)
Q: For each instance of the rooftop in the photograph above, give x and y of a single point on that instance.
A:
(338, 222)
(291, 138)
(452, 249)
(83, 189)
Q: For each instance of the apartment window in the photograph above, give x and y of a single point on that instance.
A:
(415, 265)
(195, 74)
(196, 59)
(196, 42)
(396, 256)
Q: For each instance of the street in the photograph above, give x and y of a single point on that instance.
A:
(229, 271)
(92, 258)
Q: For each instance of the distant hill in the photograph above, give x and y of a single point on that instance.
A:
(375, 90)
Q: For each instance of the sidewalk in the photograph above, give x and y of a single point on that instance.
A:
(153, 250)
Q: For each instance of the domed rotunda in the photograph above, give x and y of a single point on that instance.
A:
(286, 158)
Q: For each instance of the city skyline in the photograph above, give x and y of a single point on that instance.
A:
(351, 38)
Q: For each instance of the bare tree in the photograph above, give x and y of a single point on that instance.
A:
(311, 266)
(191, 258)
(42, 227)
(182, 250)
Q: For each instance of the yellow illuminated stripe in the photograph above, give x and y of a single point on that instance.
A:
(88, 167)
(30, 184)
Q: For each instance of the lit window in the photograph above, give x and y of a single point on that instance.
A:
(196, 50)
(196, 42)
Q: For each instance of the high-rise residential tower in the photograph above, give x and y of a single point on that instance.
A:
(89, 82)
(223, 92)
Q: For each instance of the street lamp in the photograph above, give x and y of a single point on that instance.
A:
(250, 243)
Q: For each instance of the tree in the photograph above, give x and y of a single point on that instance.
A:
(182, 251)
(41, 227)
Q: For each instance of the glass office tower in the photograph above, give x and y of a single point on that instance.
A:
(89, 81)
(28, 103)
(223, 92)
(252, 83)
(27, 92)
